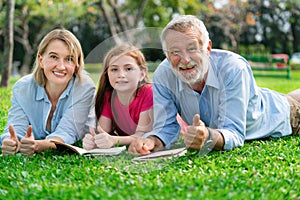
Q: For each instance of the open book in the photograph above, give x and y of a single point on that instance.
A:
(94, 152)
(169, 153)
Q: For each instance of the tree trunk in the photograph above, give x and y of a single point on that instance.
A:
(108, 20)
(294, 33)
(118, 15)
(140, 13)
(24, 40)
(8, 44)
(120, 20)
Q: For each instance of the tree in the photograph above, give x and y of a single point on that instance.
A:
(33, 15)
(295, 24)
(22, 37)
(118, 18)
(8, 43)
(108, 19)
(231, 20)
(159, 13)
(138, 22)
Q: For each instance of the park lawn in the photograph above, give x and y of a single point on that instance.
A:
(267, 169)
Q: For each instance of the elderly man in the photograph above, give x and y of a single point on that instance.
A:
(215, 92)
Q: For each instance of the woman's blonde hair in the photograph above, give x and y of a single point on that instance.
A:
(104, 85)
(74, 47)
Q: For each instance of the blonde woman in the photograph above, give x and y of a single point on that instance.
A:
(53, 102)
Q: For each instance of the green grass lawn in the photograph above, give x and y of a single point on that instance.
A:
(268, 169)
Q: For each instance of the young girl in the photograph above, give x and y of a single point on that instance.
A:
(124, 100)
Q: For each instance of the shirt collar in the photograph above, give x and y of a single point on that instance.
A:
(211, 80)
(41, 93)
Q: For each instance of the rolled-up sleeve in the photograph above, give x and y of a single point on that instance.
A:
(16, 117)
(231, 107)
(165, 125)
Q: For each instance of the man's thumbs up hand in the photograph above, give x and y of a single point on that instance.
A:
(196, 120)
(195, 135)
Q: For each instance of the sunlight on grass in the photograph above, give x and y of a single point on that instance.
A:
(282, 85)
(263, 169)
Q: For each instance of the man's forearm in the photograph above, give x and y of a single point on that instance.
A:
(218, 140)
(157, 142)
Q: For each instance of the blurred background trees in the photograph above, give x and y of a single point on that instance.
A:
(244, 26)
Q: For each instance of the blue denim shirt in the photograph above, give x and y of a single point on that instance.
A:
(31, 106)
(230, 102)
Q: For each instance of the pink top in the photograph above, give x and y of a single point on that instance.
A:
(126, 118)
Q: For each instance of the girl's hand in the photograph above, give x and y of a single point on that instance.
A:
(88, 141)
(103, 140)
(11, 145)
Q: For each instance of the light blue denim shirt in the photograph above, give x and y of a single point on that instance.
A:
(31, 106)
(230, 102)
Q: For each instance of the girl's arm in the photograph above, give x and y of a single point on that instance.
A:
(144, 126)
(145, 123)
(104, 140)
(105, 124)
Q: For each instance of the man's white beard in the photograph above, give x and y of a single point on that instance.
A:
(198, 72)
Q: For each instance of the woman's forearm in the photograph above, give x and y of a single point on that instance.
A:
(46, 144)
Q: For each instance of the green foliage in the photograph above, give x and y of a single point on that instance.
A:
(159, 13)
(260, 170)
(4, 105)
(266, 169)
(254, 50)
(5, 94)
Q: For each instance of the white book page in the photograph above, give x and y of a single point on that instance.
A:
(81, 151)
(110, 151)
(163, 154)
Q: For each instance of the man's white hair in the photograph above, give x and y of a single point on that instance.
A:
(181, 24)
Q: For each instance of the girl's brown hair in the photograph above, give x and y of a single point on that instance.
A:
(104, 85)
